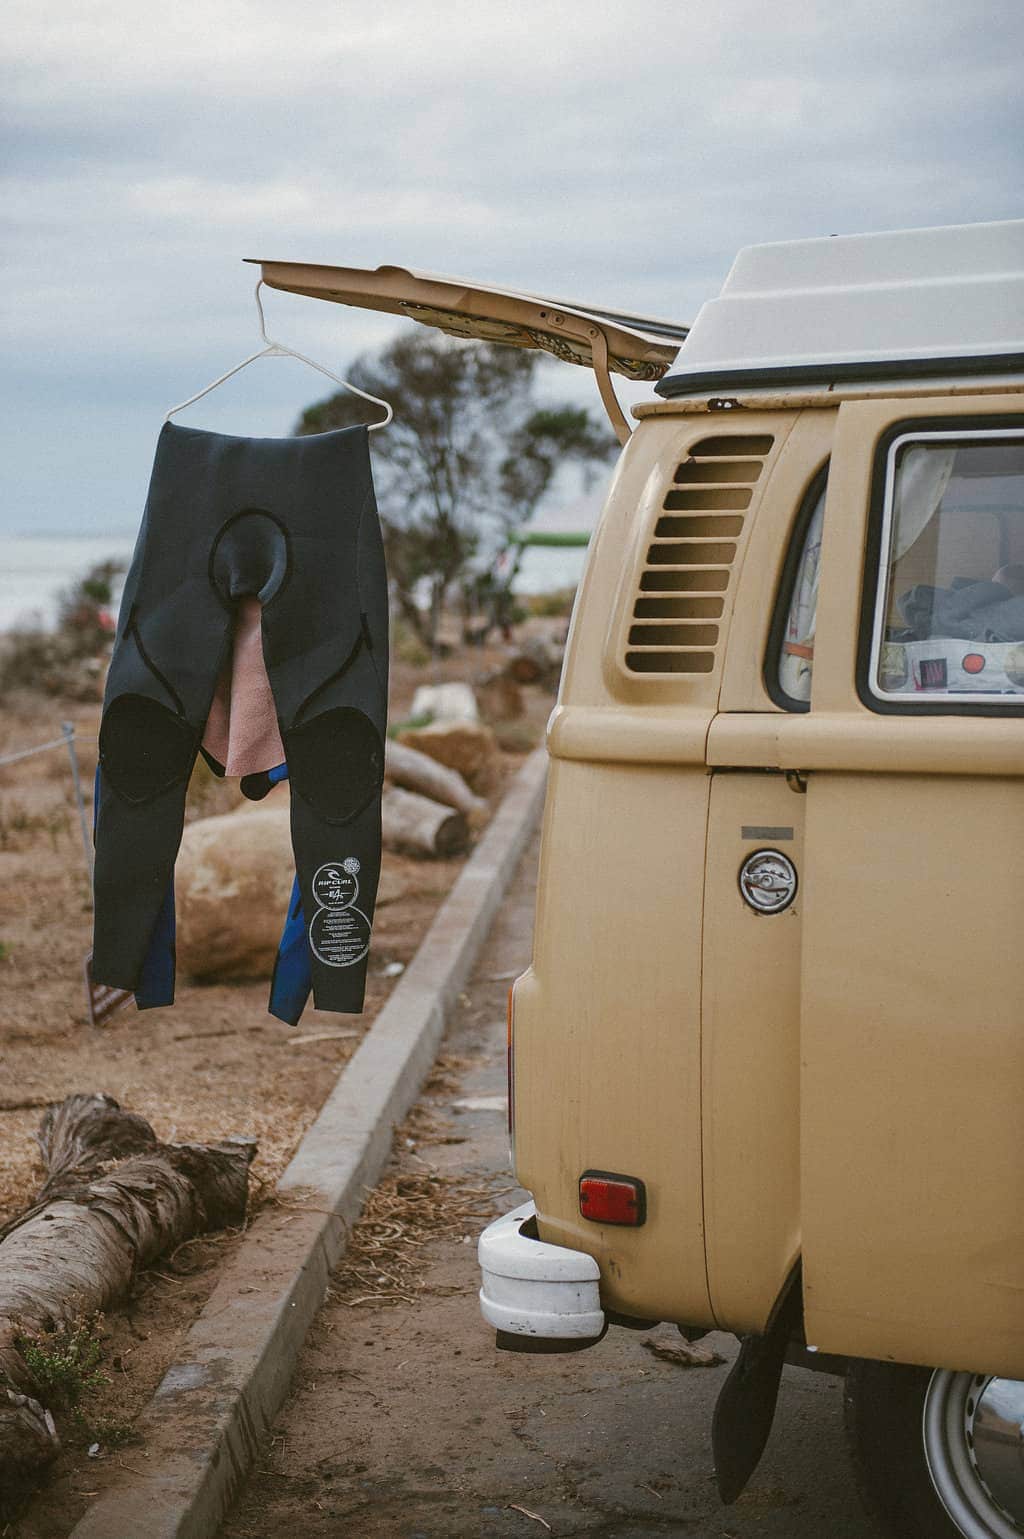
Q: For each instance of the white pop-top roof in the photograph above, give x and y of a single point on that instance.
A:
(954, 292)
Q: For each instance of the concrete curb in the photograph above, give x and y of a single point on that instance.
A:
(216, 1404)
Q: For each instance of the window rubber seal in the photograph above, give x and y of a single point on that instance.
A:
(784, 592)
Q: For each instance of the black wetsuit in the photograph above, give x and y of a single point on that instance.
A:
(292, 522)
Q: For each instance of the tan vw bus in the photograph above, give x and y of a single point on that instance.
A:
(768, 1061)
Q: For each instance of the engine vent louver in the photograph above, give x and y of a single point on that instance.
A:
(689, 561)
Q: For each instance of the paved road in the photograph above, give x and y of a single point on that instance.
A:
(406, 1424)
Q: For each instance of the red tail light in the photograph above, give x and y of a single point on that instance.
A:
(612, 1199)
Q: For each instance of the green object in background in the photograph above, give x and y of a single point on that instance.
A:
(552, 540)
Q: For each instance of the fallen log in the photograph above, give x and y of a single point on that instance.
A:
(114, 1199)
(469, 747)
(413, 825)
(28, 1439)
(415, 771)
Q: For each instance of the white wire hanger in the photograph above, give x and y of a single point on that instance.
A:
(278, 350)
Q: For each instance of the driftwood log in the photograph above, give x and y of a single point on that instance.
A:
(416, 826)
(415, 771)
(114, 1199)
(468, 747)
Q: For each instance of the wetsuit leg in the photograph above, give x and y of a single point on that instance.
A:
(156, 978)
(333, 737)
(336, 761)
(147, 750)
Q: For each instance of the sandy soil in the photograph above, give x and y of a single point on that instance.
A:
(216, 1064)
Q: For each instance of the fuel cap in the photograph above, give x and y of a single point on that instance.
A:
(768, 881)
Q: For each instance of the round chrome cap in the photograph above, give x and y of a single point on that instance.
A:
(768, 881)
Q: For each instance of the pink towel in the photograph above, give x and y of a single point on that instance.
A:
(241, 730)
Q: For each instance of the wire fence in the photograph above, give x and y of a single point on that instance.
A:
(55, 742)
(27, 753)
(68, 739)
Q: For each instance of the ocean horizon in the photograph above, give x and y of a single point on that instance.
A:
(36, 568)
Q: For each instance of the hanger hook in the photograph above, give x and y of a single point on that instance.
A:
(278, 349)
(259, 311)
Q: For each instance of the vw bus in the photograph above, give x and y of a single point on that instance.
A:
(767, 1065)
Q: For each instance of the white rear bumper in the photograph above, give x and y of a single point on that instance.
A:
(534, 1289)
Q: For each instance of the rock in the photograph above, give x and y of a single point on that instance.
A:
(539, 661)
(445, 702)
(466, 746)
(233, 883)
(498, 696)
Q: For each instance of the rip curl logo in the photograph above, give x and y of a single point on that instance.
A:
(339, 933)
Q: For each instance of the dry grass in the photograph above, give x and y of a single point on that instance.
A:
(20, 827)
(409, 1208)
(383, 1264)
(21, 1168)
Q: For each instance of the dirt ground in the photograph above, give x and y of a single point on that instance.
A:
(216, 1064)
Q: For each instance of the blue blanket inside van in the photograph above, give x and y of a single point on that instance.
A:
(971, 611)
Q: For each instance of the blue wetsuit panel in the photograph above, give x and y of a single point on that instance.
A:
(156, 981)
(293, 975)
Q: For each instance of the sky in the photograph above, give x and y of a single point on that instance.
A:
(617, 153)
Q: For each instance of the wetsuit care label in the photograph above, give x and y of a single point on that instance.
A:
(339, 933)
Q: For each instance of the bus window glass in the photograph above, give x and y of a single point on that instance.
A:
(796, 654)
(950, 622)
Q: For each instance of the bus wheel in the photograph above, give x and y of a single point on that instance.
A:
(938, 1455)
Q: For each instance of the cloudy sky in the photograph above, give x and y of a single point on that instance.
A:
(614, 152)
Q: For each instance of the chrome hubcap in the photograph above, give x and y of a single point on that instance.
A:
(974, 1445)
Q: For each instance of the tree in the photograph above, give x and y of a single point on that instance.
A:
(83, 609)
(467, 458)
(69, 659)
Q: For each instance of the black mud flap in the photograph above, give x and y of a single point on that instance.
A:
(746, 1404)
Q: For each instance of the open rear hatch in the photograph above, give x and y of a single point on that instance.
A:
(604, 340)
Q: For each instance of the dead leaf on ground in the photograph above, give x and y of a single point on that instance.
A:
(690, 1354)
